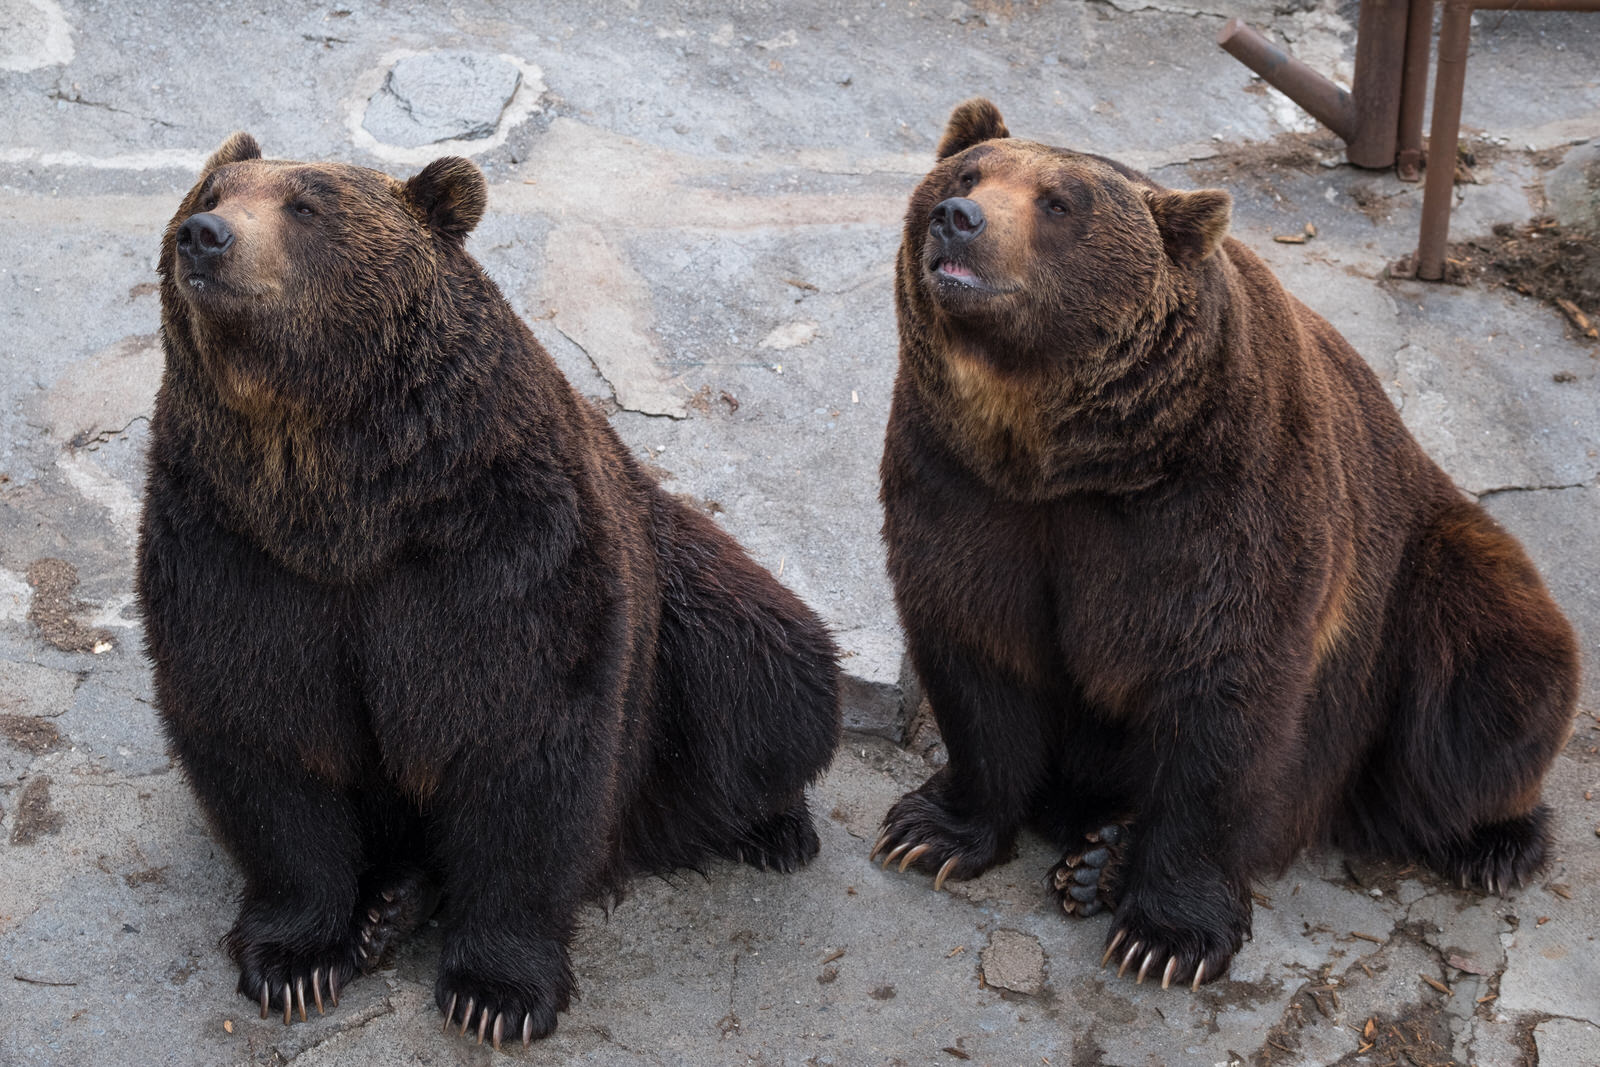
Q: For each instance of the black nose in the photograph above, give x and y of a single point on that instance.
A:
(203, 236)
(957, 220)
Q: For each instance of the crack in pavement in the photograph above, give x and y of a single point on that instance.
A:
(76, 98)
(1496, 491)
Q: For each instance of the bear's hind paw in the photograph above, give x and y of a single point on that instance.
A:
(785, 842)
(401, 902)
(1498, 856)
(1088, 879)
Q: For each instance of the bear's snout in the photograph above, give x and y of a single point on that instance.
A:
(204, 236)
(957, 220)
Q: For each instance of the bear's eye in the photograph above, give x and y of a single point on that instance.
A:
(969, 179)
(1056, 207)
(210, 201)
(303, 209)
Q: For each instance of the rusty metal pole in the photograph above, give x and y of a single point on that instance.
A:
(1325, 101)
(1414, 90)
(1380, 57)
(1455, 35)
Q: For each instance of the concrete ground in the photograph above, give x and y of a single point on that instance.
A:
(697, 209)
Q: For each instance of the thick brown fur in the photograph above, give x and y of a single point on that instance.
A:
(1163, 549)
(418, 619)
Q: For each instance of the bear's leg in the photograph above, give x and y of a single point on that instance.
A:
(397, 894)
(1085, 811)
(1488, 680)
(746, 712)
(999, 736)
(299, 842)
(520, 841)
(1214, 755)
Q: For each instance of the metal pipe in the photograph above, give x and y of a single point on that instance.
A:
(1455, 34)
(1414, 90)
(1325, 101)
(1375, 93)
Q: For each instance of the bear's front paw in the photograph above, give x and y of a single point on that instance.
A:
(920, 830)
(495, 1004)
(1191, 944)
(274, 975)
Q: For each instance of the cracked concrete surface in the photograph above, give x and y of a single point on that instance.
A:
(697, 211)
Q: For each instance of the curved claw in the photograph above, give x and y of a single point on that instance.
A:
(1199, 976)
(1166, 975)
(288, 1004)
(449, 1015)
(911, 857)
(527, 1029)
(894, 855)
(1115, 941)
(316, 988)
(1144, 968)
(944, 872)
(264, 995)
(499, 1029)
(483, 1023)
(877, 846)
(466, 1016)
(333, 986)
(300, 997)
(1127, 961)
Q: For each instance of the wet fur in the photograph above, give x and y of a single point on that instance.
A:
(1162, 546)
(418, 618)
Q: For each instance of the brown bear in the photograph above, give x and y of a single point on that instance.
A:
(1183, 593)
(420, 624)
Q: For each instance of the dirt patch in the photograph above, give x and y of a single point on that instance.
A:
(54, 607)
(1373, 202)
(148, 876)
(1265, 163)
(37, 736)
(1417, 1037)
(1540, 260)
(34, 816)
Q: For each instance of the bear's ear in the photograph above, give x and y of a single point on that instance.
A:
(1193, 224)
(236, 149)
(450, 194)
(973, 121)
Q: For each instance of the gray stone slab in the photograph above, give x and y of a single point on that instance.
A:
(441, 96)
(1567, 1043)
(1573, 188)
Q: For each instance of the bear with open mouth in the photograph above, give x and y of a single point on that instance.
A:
(1182, 591)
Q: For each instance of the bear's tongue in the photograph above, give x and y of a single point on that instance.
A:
(954, 269)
